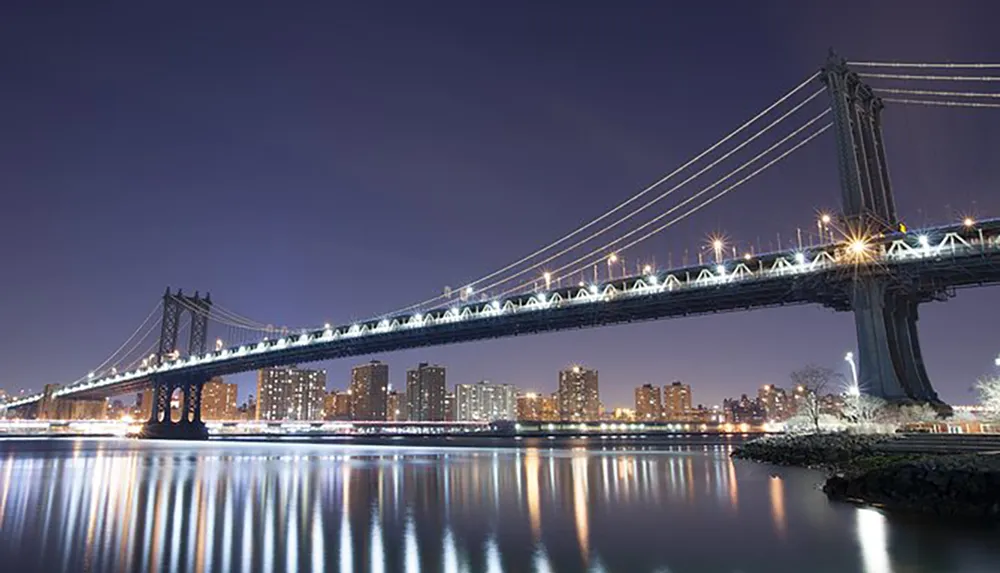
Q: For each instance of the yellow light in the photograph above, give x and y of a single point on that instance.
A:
(747, 257)
(613, 258)
(576, 370)
(968, 222)
(717, 244)
(859, 246)
(647, 269)
(825, 218)
(547, 275)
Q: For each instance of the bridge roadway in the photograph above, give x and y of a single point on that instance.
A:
(929, 264)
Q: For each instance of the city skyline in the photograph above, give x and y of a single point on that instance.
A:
(583, 145)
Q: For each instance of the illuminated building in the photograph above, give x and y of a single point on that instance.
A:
(534, 407)
(676, 401)
(425, 390)
(648, 406)
(395, 410)
(485, 402)
(218, 400)
(449, 406)
(579, 396)
(624, 415)
(369, 391)
(775, 403)
(337, 406)
(290, 393)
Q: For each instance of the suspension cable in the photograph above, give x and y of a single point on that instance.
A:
(942, 103)
(932, 78)
(758, 157)
(938, 93)
(127, 341)
(684, 215)
(625, 203)
(940, 65)
(138, 342)
(649, 203)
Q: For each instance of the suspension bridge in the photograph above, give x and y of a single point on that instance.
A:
(862, 260)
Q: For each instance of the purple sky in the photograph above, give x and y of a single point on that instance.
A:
(332, 164)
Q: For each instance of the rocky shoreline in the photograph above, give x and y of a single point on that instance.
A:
(966, 485)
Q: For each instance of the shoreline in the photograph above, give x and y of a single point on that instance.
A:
(864, 469)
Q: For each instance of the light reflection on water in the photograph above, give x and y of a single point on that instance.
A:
(95, 505)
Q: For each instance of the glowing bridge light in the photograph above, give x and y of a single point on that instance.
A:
(326, 326)
(647, 269)
(968, 221)
(825, 218)
(747, 257)
(593, 289)
(720, 269)
(90, 375)
(800, 258)
(923, 240)
(469, 291)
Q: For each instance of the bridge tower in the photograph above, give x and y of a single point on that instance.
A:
(160, 423)
(890, 361)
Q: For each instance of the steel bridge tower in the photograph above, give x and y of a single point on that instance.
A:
(890, 362)
(160, 423)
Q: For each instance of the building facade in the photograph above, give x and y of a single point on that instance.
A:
(369, 391)
(579, 395)
(449, 406)
(395, 407)
(485, 402)
(534, 407)
(425, 390)
(218, 400)
(290, 393)
(337, 405)
(676, 401)
(648, 405)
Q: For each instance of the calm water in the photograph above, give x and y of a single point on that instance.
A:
(116, 505)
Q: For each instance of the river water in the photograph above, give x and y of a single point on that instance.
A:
(124, 505)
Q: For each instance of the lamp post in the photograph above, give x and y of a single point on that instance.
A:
(855, 388)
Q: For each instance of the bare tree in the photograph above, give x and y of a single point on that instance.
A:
(812, 381)
(862, 410)
(989, 395)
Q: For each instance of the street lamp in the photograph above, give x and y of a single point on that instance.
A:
(717, 246)
(821, 224)
(855, 388)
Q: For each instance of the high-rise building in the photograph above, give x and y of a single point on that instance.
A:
(449, 406)
(395, 407)
(425, 390)
(218, 400)
(775, 403)
(676, 401)
(648, 406)
(290, 393)
(337, 405)
(534, 407)
(485, 402)
(579, 397)
(369, 391)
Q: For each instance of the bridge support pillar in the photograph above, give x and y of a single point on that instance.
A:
(189, 425)
(890, 362)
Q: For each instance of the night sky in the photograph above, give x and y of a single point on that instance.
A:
(336, 162)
